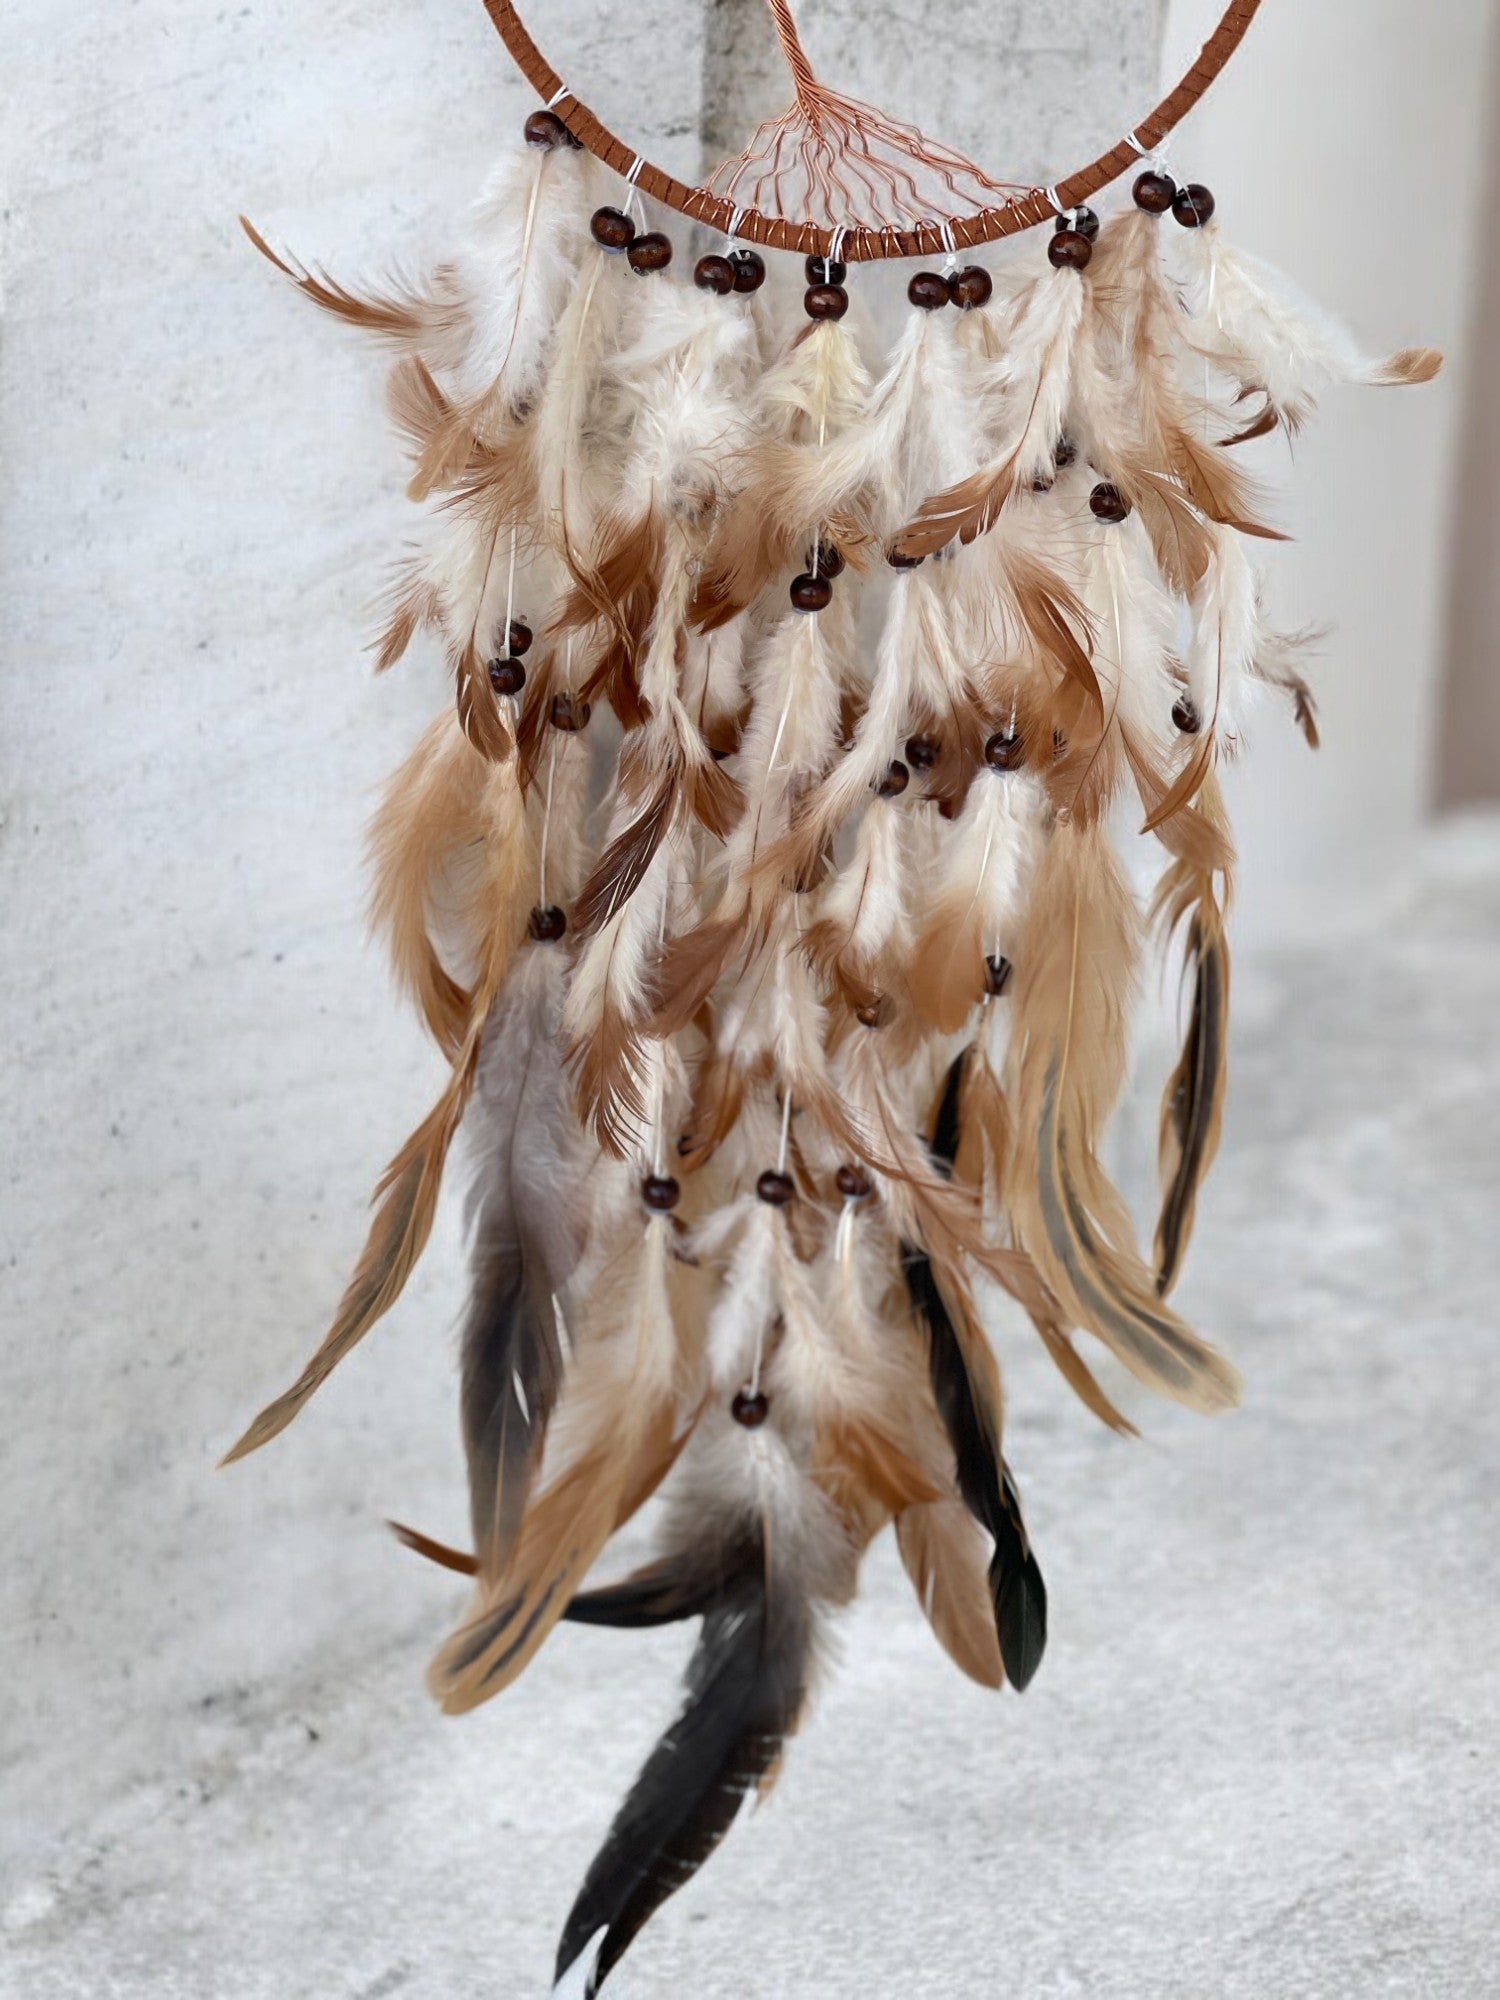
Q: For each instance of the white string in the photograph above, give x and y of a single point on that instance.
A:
(945, 231)
(558, 95)
(838, 243)
(633, 193)
(737, 216)
(1051, 194)
(1131, 140)
(510, 589)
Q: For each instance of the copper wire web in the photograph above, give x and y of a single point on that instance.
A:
(855, 156)
(843, 164)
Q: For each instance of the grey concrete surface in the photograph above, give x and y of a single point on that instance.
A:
(1259, 1759)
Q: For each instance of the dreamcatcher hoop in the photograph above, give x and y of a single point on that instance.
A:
(864, 244)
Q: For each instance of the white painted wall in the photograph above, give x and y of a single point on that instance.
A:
(1346, 143)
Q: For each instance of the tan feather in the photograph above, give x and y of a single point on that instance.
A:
(1076, 972)
(430, 812)
(946, 1555)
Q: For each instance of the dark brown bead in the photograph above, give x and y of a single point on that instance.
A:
(852, 1184)
(568, 713)
(922, 752)
(507, 676)
(520, 637)
(928, 290)
(660, 1192)
(545, 128)
(997, 971)
(895, 781)
(1083, 220)
(811, 593)
(714, 274)
(749, 270)
(826, 560)
(651, 252)
(1185, 715)
(896, 556)
(1155, 193)
(750, 1408)
(1065, 455)
(824, 271)
(871, 1016)
(973, 286)
(1069, 250)
(775, 1189)
(825, 302)
(1194, 205)
(1108, 502)
(1004, 751)
(612, 229)
(548, 925)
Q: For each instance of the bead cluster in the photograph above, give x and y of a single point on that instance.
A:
(1192, 205)
(507, 674)
(646, 251)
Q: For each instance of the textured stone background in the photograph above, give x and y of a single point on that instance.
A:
(1253, 1765)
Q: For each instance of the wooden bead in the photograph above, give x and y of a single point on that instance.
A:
(897, 557)
(811, 593)
(1194, 205)
(775, 1189)
(972, 286)
(1108, 502)
(651, 252)
(922, 752)
(997, 971)
(1083, 220)
(895, 781)
(750, 1409)
(825, 302)
(507, 676)
(1185, 715)
(826, 560)
(824, 271)
(660, 1193)
(852, 1183)
(1069, 250)
(612, 229)
(714, 274)
(548, 925)
(1155, 193)
(519, 637)
(545, 128)
(749, 270)
(1004, 751)
(568, 713)
(928, 290)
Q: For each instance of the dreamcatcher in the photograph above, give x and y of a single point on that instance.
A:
(759, 884)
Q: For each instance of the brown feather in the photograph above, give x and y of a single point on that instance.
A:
(395, 315)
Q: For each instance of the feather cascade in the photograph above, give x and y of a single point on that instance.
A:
(773, 931)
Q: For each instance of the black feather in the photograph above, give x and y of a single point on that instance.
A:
(985, 1484)
(1194, 1103)
(746, 1684)
(660, 1594)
